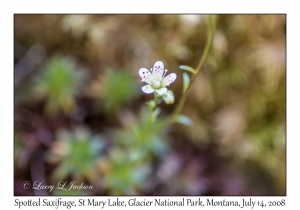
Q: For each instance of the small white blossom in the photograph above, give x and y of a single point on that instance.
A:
(168, 97)
(156, 79)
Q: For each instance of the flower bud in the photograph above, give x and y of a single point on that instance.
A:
(151, 104)
(168, 97)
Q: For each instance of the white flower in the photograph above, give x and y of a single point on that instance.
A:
(168, 97)
(156, 79)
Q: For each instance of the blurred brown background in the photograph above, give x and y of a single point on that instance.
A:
(79, 109)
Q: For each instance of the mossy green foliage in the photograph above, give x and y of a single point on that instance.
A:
(148, 134)
(127, 173)
(77, 153)
(119, 88)
(58, 83)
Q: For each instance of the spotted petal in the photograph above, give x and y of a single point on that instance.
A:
(169, 79)
(158, 69)
(162, 91)
(147, 89)
(145, 74)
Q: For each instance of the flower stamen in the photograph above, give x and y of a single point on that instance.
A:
(164, 73)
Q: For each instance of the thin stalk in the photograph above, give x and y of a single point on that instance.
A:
(206, 52)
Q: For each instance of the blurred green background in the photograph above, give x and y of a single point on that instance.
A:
(80, 114)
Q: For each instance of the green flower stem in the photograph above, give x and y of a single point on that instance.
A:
(152, 105)
(211, 31)
(149, 120)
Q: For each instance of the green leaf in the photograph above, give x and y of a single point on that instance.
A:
(188, 68)
(186, 81)
(183, 120)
